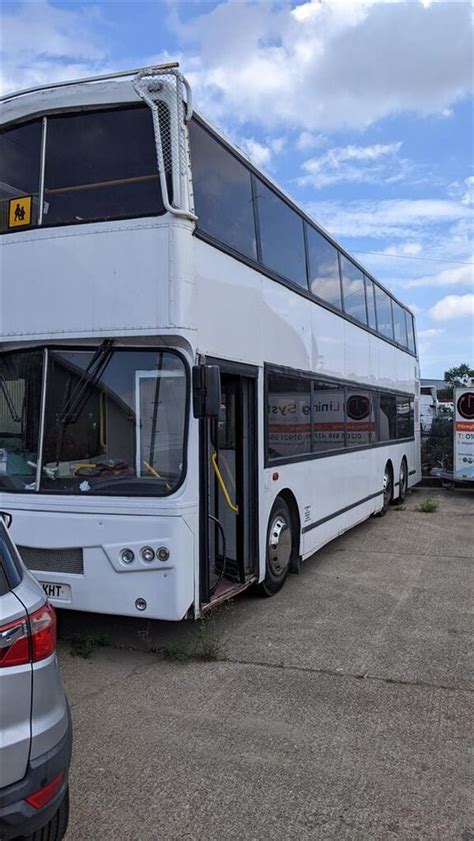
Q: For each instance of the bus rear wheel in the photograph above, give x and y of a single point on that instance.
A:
(387, 489)
(279, 548)
(403, 483)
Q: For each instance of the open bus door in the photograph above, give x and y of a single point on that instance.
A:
(228, 488)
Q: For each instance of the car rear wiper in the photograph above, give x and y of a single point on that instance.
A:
(8, 400)
(92, 374)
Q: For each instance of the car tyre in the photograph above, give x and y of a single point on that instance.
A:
(55, 830)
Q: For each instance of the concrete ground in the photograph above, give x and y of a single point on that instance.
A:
(339, 709)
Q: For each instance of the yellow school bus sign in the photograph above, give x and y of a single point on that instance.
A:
(19, 212)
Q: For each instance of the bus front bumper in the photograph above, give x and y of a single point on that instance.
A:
(123, 564)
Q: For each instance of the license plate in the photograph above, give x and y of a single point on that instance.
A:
(57, 592)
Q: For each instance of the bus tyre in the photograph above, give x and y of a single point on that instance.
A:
(387, 489)
(279, 548)
(403, 483)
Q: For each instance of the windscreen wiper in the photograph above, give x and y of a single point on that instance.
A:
(8, 400)
(92, 374)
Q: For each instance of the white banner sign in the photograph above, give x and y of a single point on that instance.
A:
(464, 433)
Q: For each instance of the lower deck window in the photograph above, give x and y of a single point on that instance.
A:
(360, 418)
(329, 428)
(388, 417)
(306, 416)
(289, 416)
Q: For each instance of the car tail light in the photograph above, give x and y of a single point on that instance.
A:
(15, 643)
(40, 798)
(30, 639)
(43, 632)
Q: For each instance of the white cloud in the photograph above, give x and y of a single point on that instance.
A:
(426, 338)
(404, 249)
(261, 153)
(277, 144)
(453, 306)
(390, 218)
(257, 152)
(370, 164)
(328, 65)
(468, 197)
(43, 43)
(430, 333)
(308, 140)
(463, 190)
(454, 276)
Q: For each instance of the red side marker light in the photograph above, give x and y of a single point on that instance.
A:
(275, 476)
(47, 793)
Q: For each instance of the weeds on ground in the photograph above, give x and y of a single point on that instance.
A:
(204, 643)
(428, 506)
(206, 646)
(84, 645)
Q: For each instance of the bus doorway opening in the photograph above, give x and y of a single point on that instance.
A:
(229, 548)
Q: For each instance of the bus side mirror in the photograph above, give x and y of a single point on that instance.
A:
(7, 518)
(206, 391)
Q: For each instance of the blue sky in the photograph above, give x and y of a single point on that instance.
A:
(361, 109)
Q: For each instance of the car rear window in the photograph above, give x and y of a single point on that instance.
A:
(10, 573)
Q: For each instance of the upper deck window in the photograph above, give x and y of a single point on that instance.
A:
(383, 305)
(323, 268)
(370, 298)
(222, 193)
(353, 290)
(410, 331)
(281, 236)
(399, 324)
(101, 165)
(247, 217)
(20, 150)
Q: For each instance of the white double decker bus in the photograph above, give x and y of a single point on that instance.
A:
(198, 387)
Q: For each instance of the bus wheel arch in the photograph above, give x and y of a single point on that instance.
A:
(281, 543)
(403, 482)
(290, 499)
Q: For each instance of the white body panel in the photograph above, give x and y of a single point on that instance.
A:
(117, 278)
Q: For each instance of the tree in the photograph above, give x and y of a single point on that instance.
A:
(459, 376)
(445, 394)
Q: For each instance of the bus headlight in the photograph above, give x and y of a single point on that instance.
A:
(163, 553)
(127, 556)
(147, 554)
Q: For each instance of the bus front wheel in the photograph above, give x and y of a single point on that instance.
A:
(279, 548)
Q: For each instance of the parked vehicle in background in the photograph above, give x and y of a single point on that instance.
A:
(35, 724)
(134, 492)
(428, 408)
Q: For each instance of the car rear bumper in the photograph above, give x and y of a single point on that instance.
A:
(17, 817)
